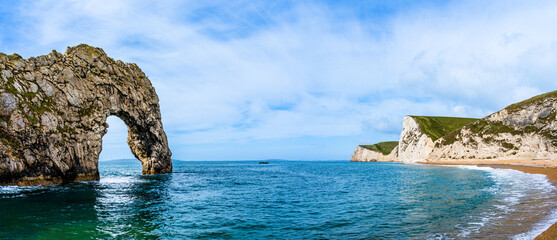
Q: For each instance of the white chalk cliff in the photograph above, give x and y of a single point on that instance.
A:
(414, 144)
(525, 130)
(362, 154)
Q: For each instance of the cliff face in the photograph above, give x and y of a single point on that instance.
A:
(414, 144)
(53, 112)
(526, 130)
(362, 154)
(419, 133)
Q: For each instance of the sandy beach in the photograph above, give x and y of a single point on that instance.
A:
(534, 166)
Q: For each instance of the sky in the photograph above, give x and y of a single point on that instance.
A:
(302, 79)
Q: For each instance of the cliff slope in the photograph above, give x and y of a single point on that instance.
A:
(379, 152)
(420, 132)
(525, 130)
(53, 112)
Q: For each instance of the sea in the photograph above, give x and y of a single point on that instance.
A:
(285, 200)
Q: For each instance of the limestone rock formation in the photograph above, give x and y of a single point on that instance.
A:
(53, 112)
(418, 136)
(414, 144)
(380, 152)
(525, 130)
(420, 132)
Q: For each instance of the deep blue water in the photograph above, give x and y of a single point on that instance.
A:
(284, 200)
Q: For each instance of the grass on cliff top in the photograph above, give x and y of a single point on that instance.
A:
(532, 100)
(484, 127)
(437, 127)
(383, 147)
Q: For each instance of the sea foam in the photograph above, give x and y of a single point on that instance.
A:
(513, 186)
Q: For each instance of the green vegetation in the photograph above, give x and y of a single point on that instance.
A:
(66, 129)
(31, 111)
(486, 130)
(437, 127)
(531, 100)
(508, 146)
(9, 86)
(88, 111)
(383, 147)
(484, 127)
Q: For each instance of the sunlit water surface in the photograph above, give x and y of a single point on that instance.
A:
(284, 200)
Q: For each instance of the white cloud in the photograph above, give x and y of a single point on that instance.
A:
(305, 71)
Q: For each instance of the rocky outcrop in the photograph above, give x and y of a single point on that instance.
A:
(526, 130)
(419, 134)
(414, 144)
(53, 112)
(362, 154)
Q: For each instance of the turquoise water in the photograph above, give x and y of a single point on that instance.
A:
(284, 200)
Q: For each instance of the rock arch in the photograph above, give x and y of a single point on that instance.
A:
(53, 112)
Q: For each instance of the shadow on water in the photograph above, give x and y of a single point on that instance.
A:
(126, 207)
(137, 211)
(56, 212)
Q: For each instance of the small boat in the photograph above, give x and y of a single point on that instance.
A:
(263, 162)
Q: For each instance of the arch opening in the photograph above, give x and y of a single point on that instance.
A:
(114, 146)
(144, 137)
(61, 141)
(115, 156)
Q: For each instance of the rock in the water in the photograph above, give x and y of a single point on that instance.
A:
(53, 112)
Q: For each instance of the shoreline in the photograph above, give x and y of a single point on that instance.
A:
(545, 167)
(47, 181)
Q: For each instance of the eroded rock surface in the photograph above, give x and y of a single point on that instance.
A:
(523, 131)
(526, 130)
(53, 112)
(362, 154)
(414, 144)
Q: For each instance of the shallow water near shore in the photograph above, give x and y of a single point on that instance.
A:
(285, 200)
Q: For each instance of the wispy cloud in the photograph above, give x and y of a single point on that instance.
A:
(293, 73)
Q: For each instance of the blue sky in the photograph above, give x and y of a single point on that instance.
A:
(301, 80)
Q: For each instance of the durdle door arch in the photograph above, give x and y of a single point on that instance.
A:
(53, 112)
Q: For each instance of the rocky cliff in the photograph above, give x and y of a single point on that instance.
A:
(414, 144)
(380, 152)
(53, 112)
(525, 130)
(420, 132)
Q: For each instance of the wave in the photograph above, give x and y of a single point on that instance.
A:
(17, 191)
(515, 190)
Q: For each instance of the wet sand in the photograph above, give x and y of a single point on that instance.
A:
(546, 167)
